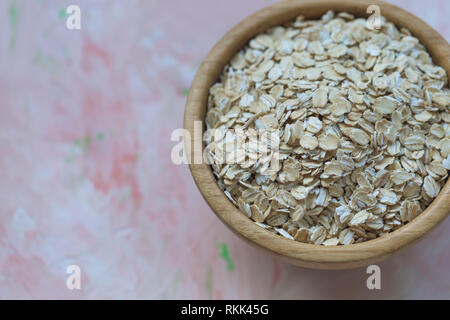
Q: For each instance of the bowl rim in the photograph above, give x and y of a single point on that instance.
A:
(303, 254)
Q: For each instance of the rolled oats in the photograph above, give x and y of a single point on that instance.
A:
(362, 129)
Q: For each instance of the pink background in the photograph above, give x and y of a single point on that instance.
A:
(85, 170)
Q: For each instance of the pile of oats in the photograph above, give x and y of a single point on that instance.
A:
(363, 123)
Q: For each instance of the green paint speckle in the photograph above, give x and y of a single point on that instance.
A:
(208, 283)
(225, 255)
(179, 279)
(165, 243)
(70, 159)
(62, 13)
(100, 136)
(185, 91)
(126, 193)
(45, 62)
(14, 15)
(83, 143)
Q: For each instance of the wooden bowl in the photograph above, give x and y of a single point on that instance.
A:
(302, 254)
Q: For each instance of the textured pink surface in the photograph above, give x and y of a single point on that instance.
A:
(85, 170)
